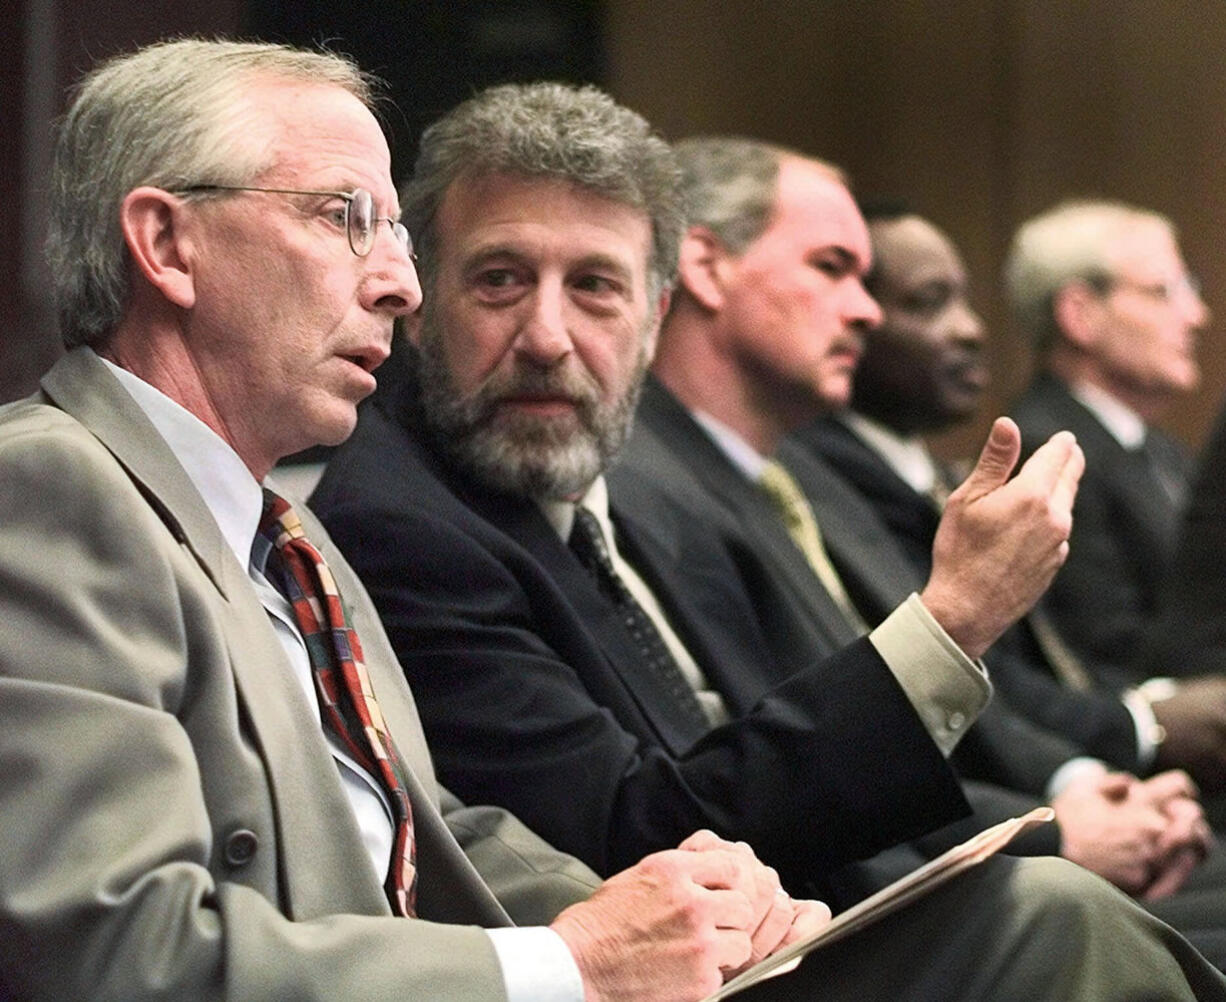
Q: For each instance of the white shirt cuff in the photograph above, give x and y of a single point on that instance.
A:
(1073, 769)
(1150, 733)
(536, 964)
(947, 689)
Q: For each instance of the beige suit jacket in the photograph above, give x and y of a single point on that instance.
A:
(173, 825)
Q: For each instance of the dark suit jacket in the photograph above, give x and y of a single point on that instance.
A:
(172, 815)
(1105, 598)
(1190, 637)
(911, 517)
(670, 451)
(533, 694)
(1096, 722)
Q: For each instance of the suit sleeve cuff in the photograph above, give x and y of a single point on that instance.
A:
(536, 965)
(947, 689)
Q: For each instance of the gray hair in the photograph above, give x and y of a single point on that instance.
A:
(554, 131)
(161, 116)
(1074, 241)
(730, 184)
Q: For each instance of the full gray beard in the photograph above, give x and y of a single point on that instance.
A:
(537, 457)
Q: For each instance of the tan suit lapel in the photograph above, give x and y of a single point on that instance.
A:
(316, 832)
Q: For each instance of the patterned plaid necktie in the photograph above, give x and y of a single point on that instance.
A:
(346, 699)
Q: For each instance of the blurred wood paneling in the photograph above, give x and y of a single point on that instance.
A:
(978, 114)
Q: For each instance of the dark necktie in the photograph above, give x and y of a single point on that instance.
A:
(346, 698)
(1163, 463)
(588, 544)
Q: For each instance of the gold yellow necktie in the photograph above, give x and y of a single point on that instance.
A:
(797, 515)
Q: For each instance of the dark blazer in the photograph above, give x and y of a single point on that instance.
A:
(1105, 598)
(670, 451)
(911, 517)
(533, 695)
(1190, 637)
(162, 779)
(1095, 721)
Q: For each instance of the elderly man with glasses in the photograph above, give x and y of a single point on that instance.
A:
(213, 782)
(1102, 290)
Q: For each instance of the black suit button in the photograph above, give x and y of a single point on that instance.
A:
(240, 847)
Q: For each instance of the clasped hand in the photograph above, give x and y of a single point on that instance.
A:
(1145, 836)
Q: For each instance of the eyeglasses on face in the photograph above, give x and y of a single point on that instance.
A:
(1185, 286)
(361, 222)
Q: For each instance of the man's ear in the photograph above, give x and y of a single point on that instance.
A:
(1078, 309)
(699, 270)
(152, 223)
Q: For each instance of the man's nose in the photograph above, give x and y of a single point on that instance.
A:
(391, 283)
(544, 335)
(862, 310)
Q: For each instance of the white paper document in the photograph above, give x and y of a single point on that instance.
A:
(914, 885)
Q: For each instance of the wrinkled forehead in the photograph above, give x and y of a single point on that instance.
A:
(814, 206)
(497, 205)
(312, 127)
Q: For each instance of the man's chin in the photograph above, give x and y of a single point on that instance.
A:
(832, 393)
(535, 467)
(336, 426)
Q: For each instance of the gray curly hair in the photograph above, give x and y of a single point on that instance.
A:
(555, 131)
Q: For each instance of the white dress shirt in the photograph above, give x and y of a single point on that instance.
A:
(906, 456)
(1125, 425)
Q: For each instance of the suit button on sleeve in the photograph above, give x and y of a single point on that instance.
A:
(240, 846)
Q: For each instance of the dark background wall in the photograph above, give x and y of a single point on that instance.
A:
(978, 113)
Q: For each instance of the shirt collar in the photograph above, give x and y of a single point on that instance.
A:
(740, 453)
(1125, 425)
(561, 514)
(230, 492)
(907, 456)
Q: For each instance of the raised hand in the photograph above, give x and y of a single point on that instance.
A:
(1002, 540)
